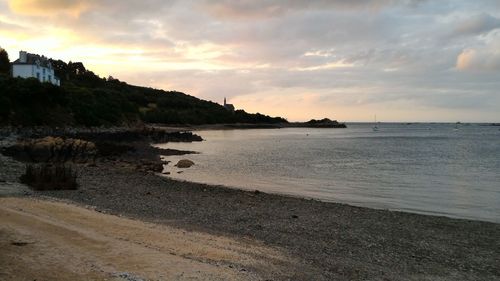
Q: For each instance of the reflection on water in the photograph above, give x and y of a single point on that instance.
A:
(424, 168)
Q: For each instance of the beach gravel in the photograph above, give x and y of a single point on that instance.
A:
(331, 241)
(326, 241)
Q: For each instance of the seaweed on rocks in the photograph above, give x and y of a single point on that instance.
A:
(109, 148)
(150, 134)
(50, 177)
(52, 149)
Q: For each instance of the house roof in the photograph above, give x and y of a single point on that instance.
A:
(33, 58)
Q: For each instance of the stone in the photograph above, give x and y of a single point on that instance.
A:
(52, 149)
(184, 163)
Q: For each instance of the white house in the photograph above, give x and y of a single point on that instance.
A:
(31, 65)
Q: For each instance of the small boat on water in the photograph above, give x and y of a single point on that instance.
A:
(375, 127)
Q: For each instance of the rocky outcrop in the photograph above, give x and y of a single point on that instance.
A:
(184, 163)
(52, 149)
(151, 134)
(252, 126)
(150, 166)
(113, 148)
(323, 123)
(50, 176)
(129, 149)
(161, 136)
(170, 152)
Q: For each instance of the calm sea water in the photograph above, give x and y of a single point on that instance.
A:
(424, 168)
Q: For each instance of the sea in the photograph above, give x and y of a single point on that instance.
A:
(437, 169)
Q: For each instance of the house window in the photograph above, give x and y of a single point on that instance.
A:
(38, 75)
(50, 78)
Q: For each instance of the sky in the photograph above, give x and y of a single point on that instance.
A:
(408, 60)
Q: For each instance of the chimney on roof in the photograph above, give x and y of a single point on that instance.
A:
(23, 57)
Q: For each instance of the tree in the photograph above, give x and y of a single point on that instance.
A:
(4, 62)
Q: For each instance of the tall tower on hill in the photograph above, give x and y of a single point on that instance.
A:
(228, 106)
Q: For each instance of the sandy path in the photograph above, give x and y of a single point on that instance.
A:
(46, 240)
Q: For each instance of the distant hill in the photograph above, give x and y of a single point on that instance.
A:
(323, 123)
(85, 99)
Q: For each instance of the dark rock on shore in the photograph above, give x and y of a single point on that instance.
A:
(145, 134)
(170, 152)
(163, 136)
(122, 134)
(252, 126)
(147, 165)
(128, 149)
(52, 149)
(112, 148)
(50, 176)
(184, 163)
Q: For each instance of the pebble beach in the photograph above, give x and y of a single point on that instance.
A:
(318, 240)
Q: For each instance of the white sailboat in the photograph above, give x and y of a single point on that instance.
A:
(375, 127)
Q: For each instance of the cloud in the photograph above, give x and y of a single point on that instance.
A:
(49, 7)
(249, 9)
(477, 24)
(345, 57)
(478, 60)
(10, 27)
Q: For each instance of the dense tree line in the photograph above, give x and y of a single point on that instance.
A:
(28, 102)
(85, 99)
(4, 62)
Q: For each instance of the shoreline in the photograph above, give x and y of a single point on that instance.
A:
(360, 205)
(327, 241)
(332, 240)
(332, 201)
